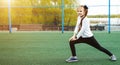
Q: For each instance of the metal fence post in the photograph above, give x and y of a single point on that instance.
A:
(62, 16)
(9, 17)
(109, 14)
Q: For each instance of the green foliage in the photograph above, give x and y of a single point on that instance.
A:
(70, 17)
(46, 12)
(3, 16)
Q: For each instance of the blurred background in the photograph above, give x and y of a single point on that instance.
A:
(57, 15)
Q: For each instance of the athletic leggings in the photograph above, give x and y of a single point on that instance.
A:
(90, 41)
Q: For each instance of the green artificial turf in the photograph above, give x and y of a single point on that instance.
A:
(52, 48)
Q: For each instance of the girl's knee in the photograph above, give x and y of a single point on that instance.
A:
(71, 42)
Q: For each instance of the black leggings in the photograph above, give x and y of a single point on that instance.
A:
(91, 41)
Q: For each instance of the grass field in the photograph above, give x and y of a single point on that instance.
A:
(51, 48)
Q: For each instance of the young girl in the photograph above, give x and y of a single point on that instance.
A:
(83, 34)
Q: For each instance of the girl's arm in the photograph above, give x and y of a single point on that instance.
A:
(83, 28)
(76, 27)
(74, 37)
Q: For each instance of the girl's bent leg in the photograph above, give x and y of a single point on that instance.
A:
(72, 47)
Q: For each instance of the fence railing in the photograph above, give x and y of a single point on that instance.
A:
(40, 27)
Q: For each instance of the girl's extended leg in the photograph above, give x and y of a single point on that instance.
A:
(92, 41)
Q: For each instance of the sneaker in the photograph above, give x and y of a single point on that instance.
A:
(72, 59)
(113, 58)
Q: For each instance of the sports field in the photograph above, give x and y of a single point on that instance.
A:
(52, 48)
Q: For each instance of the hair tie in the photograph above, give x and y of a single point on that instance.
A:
(85, 6)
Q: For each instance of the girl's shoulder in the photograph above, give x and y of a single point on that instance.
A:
(86, 19)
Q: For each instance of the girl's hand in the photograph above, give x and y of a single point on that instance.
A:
(72, 38)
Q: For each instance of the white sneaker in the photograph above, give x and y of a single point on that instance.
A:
(113, 58)
(72, 59)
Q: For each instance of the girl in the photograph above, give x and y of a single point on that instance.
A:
(83, 34)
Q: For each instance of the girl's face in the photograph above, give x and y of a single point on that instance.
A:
(81, 11)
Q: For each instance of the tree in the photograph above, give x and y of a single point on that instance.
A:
(47, 12)
(3, 12)
(20, 14)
